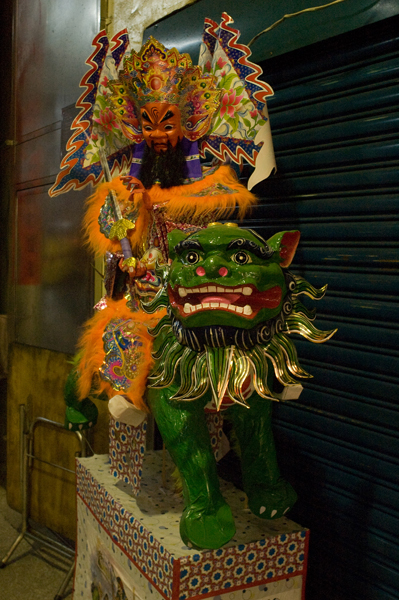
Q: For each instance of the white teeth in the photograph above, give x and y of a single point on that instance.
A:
(189, 308)
(247, 291)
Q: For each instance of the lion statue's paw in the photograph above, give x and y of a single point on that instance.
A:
(271, 501)
(209, 527)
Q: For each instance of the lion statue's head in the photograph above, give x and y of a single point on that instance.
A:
(231, 307)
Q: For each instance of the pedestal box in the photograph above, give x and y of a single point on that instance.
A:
(131, 548)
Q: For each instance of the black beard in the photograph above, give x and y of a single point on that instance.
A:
(167, 168)
(222, 336)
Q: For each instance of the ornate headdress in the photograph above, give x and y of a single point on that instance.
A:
(157, 74)
(222, 104)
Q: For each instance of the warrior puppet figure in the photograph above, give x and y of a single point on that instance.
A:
(197, 313)
(157, 112)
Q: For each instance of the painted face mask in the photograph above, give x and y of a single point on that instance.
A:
(161, 125)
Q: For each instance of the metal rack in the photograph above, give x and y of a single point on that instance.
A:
(27, 456)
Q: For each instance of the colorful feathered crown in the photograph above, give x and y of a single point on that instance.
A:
(222, 101)
(157, 74)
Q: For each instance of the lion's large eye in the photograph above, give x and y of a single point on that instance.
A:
(192, 257)
(241, 258)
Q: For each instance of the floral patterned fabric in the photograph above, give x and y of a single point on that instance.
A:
(242, 110)
(123, 357)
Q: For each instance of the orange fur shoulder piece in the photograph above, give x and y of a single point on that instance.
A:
(92, 353)
(217, 194)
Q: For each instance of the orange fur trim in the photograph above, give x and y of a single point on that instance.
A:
(92, 353)
(185, 202)
(182, 203)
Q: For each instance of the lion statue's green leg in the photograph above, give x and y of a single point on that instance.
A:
(207, 521)
(269, 495)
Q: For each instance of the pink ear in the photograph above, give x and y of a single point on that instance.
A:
(288, 246)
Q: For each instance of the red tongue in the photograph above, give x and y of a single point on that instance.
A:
(229, 298)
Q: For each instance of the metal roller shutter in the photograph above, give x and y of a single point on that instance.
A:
(335, 119)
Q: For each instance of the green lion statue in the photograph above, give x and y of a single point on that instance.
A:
(225, 345)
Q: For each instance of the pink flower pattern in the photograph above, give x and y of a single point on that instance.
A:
(220, 62)
(230, 102)
(107, 119)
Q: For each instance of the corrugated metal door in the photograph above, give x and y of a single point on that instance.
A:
(334, 119)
